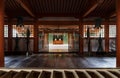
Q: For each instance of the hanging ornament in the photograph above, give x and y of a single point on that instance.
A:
(98, 22)
(88, 32)
(28, 32)
(19, 21)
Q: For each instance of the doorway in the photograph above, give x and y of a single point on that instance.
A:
(58, 42)
(62, 38)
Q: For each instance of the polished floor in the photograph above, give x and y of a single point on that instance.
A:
(59, 61)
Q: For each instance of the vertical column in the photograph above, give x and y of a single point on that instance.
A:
(45, 41)
(9, 35)
(36, 36)
(69, 47)
(70, 41)
(1, 33)
(81, 35)
(106, 35)
(118, 33)
(73, 40)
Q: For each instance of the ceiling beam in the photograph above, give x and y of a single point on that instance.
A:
(113, 15)
(92, 8)
(40, 15)
(25, 7)
(5, 15)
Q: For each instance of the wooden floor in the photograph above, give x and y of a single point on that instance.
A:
(59, 61)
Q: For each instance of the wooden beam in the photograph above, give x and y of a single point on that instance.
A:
(40, 15)
(113, 15)
(36, 36)
(93, 7)
(90, 10)
(25, 7)
(5, 15)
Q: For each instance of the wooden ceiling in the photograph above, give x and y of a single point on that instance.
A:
(60, 8)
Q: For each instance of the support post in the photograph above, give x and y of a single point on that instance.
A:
(106, 35)
(36, 36)
(2, 33)
(118, 33)
(10, 35)
(81, 32)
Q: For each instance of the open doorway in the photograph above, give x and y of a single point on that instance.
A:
(58, 42)
(58, 38)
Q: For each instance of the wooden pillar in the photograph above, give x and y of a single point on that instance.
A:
(106, 35)
(73, 40)
(45, 40)
(118, 33)
(81, 31)
(9, 35)
(35, 36)
(1, 33)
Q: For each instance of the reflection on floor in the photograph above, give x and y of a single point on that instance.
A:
(58, 48)
(59, 61)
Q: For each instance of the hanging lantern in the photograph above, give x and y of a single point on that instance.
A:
(98, 22)
(19, 21)
(88, 32)
(28, 32)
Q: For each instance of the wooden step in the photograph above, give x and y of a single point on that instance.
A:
(2, 73)
(116, 73)
(45, 74)
(60, 73)
(93, 74)
(21, 74)
(57, 74)
(81, 74)
(106, 74)
(69, 74)
(9, 74)
(33, 74)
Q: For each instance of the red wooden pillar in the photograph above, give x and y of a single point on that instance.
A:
(1, 33)
(35, 36)
(81, 31)
(118, 33)
(9, 35)
(106, 35)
